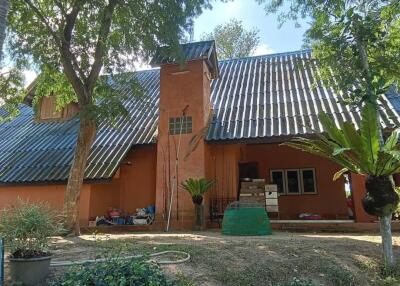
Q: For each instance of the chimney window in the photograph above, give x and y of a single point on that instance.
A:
(180, 125)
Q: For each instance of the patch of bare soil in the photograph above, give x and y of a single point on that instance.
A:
(323, 259)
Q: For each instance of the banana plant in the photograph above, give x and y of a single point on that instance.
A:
(364, 152)
(197, 188)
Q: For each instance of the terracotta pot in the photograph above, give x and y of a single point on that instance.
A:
(29, 271)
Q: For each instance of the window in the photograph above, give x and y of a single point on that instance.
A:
(181, 125)
(294, 181)
(308, 179)
(277, 178)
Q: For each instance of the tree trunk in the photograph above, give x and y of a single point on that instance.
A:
(4, 4)
(386, 234)
(381, 200)
(86, 135)
(199, 217)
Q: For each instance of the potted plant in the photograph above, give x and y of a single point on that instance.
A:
(197, 188)
(26, 229)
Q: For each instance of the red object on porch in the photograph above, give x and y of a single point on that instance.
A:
(358, 192)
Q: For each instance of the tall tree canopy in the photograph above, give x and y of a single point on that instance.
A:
(233, 40)
(3, 23)
(74, 41)
(356, 44)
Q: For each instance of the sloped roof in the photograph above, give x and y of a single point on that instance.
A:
(204, 50)
(278, 95)
(257, 98)
(31, 151)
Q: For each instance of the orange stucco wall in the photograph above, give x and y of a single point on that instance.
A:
(138, 178)
(133, 187)
(358, 191)
(181, 89)
(51, 194)
(329, 202)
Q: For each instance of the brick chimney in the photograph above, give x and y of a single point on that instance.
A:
(184, 114)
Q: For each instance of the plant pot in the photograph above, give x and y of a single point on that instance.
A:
(29, 271)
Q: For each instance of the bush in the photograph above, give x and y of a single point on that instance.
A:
(298, 282)
(27, 228)
(338, 275)
(116, 271)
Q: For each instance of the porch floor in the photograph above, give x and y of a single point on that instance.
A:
(312, 221)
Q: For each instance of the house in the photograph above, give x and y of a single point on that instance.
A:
(222, 120)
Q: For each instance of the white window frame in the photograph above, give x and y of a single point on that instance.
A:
(298, 182)
(299, 178)
(314, 179)
(283, 178)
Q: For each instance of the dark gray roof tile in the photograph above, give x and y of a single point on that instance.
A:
(256, 97)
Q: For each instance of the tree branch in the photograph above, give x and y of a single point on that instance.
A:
(101, 42)
(44, 21)
(67, 34)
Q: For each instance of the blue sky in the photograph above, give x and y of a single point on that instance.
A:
(272, 39)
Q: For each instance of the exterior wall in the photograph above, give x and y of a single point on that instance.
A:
(188, 90)
(329, 202)
(138, 179)
(134, 186)
(51, 194)
(358, 191)
(223, 169)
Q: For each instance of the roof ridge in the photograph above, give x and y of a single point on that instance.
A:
(301, 51)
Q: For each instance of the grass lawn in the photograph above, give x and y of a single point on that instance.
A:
(326, 259)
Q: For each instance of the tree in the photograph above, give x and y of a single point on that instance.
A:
(233, 40)
(4, 4)
(74, 41)
(356, 46)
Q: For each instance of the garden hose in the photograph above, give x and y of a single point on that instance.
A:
(87, 261)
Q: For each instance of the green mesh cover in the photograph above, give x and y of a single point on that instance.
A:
(246, 220)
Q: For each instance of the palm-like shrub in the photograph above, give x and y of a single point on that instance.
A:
(363, 152)
(197, 188)
(27, 228)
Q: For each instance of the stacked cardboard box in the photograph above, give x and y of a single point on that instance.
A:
(253, 191)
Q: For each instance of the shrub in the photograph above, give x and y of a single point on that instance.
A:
(338, 275)
(298, 282)
(116, 271)
(27, 228)
(197, 188)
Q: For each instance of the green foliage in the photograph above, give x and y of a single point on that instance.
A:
(233, 40)
(27, 228)
(355, 42)
(73, 41)
(357, 151)
(298, 282)
(11, 87)
(197, 187)
(114, 271)
(338, 275)
(52, 82)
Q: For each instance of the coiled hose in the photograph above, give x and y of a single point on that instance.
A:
(80, 262)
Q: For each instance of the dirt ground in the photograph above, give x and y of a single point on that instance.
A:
(325, 259)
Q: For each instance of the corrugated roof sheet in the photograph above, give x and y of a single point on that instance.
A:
(32, 151)
(262, 97)
(190, 51)
(277, 95)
